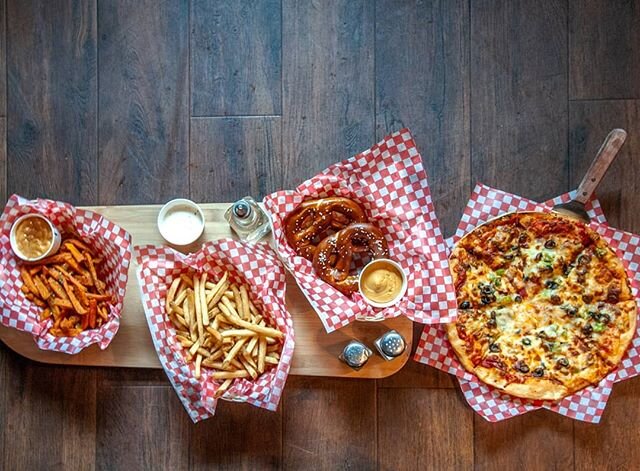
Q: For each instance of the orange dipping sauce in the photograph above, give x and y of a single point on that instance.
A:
(33, 237)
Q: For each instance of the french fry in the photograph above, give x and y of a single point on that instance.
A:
(74, 252)
(198, 363)
(57, 289)
(28, 281)
(172, 293)
(42, 289)
(234, 351)
(72, 297)
(187, 281)
(81, 246)
(229, 374)
(198, 305)
(238, 333)
(92, 271)
(215, 334)
(203, 299)
(223, 388)
(262, 353)
(245, 302)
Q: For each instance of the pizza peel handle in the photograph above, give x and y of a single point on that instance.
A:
(592, 178)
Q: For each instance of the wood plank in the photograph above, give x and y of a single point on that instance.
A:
(418, 375)
(614, 443)
(429, 40)
(236, 57)
(316, 351)
(3, 160)
(240, 436)
(519, 96)
(141, 427)
(590, 122)
(51, 130)
(537, 440)
(604, 59)
(235, 157)
(328, 105)
(329, 424)
(3, 58)
(144, 101)
(50, 416)
(404, 416)
(519, 143)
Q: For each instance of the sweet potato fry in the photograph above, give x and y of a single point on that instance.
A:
(92, 270)
(74, 252)
(80, 245)
(28, 281)
(72, 297)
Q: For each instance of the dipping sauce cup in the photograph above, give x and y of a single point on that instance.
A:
(181, 222)
(382, 283)
(33, 237)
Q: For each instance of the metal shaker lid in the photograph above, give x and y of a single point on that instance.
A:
(391, 344)
(355, 354)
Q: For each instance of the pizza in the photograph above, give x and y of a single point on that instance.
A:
(544, 305)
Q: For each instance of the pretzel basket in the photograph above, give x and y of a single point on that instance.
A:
(390, 183)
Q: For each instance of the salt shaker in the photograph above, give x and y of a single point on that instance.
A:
(390, 345)
(248, 220)
(355, 354)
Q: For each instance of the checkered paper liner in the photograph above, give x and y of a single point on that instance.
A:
(256, 266)
(587, 404)
(107, 239)
(390, 183)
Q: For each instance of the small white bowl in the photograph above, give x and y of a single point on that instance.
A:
(181, 222)
(53, 247)
(403, 288)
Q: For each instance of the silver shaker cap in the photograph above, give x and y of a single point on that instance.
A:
(390, 345)
(355, 354)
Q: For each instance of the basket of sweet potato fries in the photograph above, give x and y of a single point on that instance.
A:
(72, 298)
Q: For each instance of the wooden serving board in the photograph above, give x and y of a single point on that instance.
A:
(316, 352)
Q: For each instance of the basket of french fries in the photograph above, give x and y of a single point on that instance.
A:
(71, 296)
(218, 322)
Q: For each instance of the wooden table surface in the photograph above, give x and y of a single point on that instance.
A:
(135, 102)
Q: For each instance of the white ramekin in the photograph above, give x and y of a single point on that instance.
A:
(177, 203)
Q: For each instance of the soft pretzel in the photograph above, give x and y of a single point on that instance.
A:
(332, 260)
(312, 220)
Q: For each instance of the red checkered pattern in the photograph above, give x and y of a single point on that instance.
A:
(586, 405)
(390, 182)
(256, 266)
(110, 241)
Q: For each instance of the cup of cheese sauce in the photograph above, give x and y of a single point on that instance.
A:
(33, 237)
(382, 283)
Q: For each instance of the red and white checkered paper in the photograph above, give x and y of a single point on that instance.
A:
(255, 265)
(589, 403)
(110, 241)
(390, 183)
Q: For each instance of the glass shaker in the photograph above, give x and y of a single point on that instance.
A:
(248, 220)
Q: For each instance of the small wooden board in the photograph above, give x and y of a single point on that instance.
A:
(316, 352)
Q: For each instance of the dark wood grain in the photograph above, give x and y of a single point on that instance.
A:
(590, 122)
(537, 440)
(329, 424)
(236, 57)
(614, 443)
(328, 104)
(422, 82)
(404, 441)
(238, 437)
(519, 96)
(51, 130)
(418, 375)
(235, 157)
(604, 58)
(3, 160)
(3, 57)
(50, 418)
(144, 101)
(141, 427)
